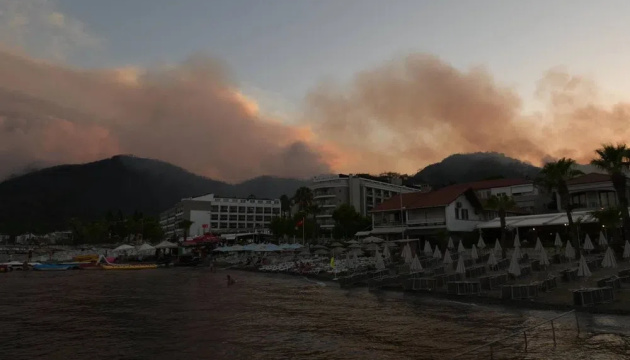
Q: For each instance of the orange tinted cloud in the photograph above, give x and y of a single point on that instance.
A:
(417, 110)
(190, 115)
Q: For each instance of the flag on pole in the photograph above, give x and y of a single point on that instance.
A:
(332, 262)
(300, 223)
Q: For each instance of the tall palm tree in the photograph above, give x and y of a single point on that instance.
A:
(303, 197)
(614, 160)
(554, 177)
(185, 225)
(285, 206)
(610, 218)
(501, 203)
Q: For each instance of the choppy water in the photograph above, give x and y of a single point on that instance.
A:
(192, 314)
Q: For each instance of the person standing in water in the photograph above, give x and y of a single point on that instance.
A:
(230, 281)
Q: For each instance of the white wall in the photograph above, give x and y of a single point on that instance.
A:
(453, 224)
(198, 217)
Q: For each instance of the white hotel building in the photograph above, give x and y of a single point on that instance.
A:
(219, 215)
(330, 191)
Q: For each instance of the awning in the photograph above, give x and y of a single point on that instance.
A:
(387, 230)
(496, 223)
(562, 219)
(534, 220)
(362, 233)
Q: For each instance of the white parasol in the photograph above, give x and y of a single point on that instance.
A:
(609, 259)
(427, 248)
(569, 251)
(480, 243)
(583, 270)
(588, 244)
(473, 253)
(461, 269)
(447, 257)
(415, 266)
(602, 239)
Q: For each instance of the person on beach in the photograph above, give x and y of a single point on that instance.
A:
(230, 281)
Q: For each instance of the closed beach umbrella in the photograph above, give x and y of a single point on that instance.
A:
(461, 269)
(447, 257)
(517, 253)
(473, 253)
(626, 250)
(386, 253)
(406, 254)
(450, 244)
(415, 266)
(380, 265)
(602, 239)
(460, 247)
(558, 241)
(427, 248)
(542, 257)
(517, 242)
(588, 244)
(437, 254)
(492, 260)
(569, 251)
(497, 246)
(609, 259)
(583, 270)
(355, 259)
(515, 268)
(538, 246)
(480, 243)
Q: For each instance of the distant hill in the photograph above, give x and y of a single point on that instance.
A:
(461, 168)
(45, 199)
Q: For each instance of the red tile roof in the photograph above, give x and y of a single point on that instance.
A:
(443, 196)
(589, 179)
(417, 200)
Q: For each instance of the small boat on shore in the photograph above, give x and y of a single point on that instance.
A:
(54, 267)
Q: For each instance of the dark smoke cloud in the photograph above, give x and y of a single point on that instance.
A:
(418, 110)
(190, 115)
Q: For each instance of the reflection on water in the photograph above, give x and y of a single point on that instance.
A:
(191, 313)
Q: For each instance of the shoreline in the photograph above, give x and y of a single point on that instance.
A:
(469, 299)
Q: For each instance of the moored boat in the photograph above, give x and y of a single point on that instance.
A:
(53, 267)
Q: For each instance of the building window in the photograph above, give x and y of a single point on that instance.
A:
(464, 214)
(456, 213)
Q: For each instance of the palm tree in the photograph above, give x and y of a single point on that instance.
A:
(501, 203)
(554, 177)
(185, 225)
(614, 160)
(303, 197)
(610, 218)
(285, 206)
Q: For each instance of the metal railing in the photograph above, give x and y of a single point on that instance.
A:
(522, 332)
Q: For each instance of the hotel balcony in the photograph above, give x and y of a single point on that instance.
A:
(435, 222)
(389, 224)
(323, 196)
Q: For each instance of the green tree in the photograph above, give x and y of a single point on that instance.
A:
(614, 160)
(285, 206)
(554, 177)
(348, 221)
(277, 226)
(501, 204)
(303, 198)
(610, 218)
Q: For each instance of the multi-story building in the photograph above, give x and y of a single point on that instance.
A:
(455, 208)
(525, 194)
(361, 191)
(210, 213)
(592, 191)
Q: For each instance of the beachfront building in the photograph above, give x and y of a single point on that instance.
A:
(592, 191)
(210, 213)
(364, 192)
(526, 195)
(455, 208)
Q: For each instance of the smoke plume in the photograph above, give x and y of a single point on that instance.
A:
(190, 115)
(417, 110)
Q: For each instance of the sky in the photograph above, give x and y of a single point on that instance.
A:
(242, 88)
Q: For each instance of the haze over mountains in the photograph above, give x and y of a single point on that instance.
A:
(44, 200)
